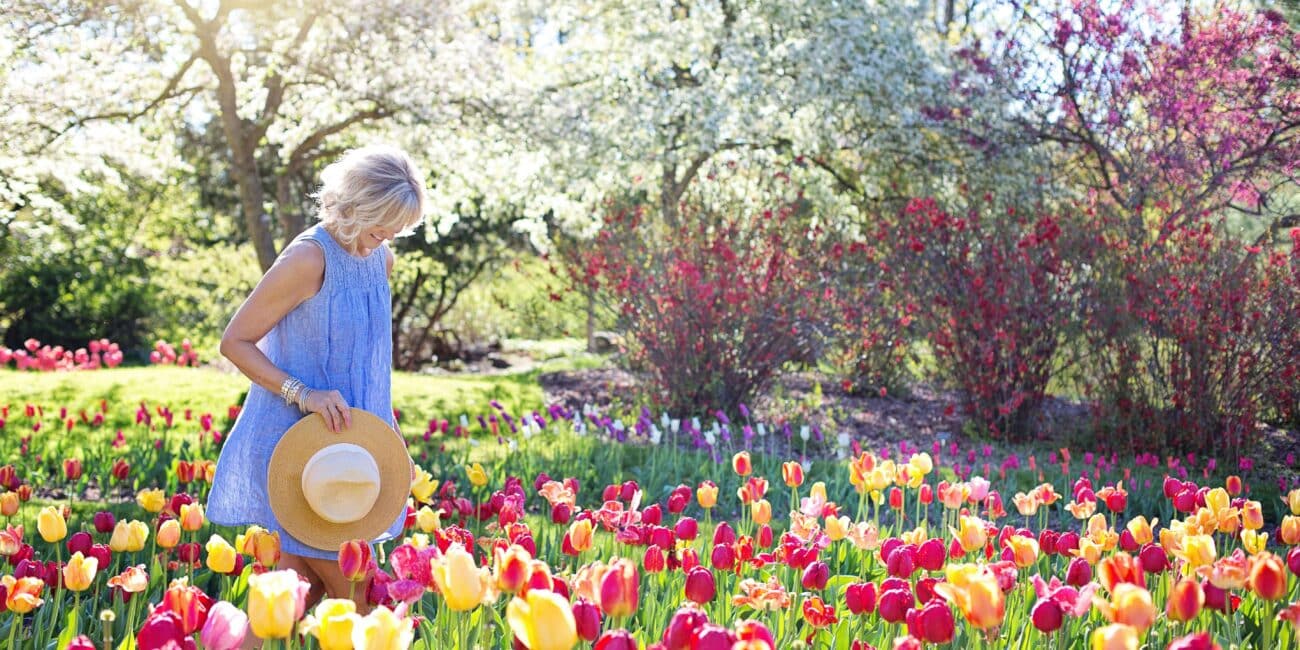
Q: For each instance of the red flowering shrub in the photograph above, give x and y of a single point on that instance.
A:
(717, 305)
(1198, 343)
(996, 297)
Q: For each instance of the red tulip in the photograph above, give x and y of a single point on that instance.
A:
(894, 605)
(687, 529)
(72, 469)
(933, 623)
(723, 534)
(682, 628)
(700, 586)
(713, 637)
(121, 469)
(619, 589)
(742, 464)
(723, 557)
(1185, 601)
(1047, 615)
(1233, 485)
(815, 576)
(561, 513)
(902, 562)
(1079, 573)
(104, 522)
(354, 560)
(1195, 641)
(653, 561)
(1293, 560)
(751, 630)
(1267, 577)
(616, 640)
(80, 542)
(927, 494)
(861, 597)
(652, 515)
(190, 605)
(163, 630)
(817, 613)
(764, 536)
(587, 617)
(1153, 558)
(896, 498)
(930, 555)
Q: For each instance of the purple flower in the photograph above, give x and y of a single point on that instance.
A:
(722, 417)
(744, 411)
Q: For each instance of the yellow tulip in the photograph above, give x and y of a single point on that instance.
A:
(382, 630)
(819, 492)
(1115, 636)
(79, 572)
(972, 535)
(580, 535)
(332, 623)
(1141, 530)
(221, 555)
(423, 487)
(707, 495)
(462, 584)
(51, 525)
(762, 511)
(1253, 541)
(1197, 551)
(1131, 605)
(1289, 531)
(837, 528)
(1217, 499)
(273, 603)
(476, 475)
(987, 605)
(1023, 549)
(169, 533)
(426, 519)
(542, 620)
(152, 500)
(1293, 501)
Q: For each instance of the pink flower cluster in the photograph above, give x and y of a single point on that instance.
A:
(165, 353)
(100, 353)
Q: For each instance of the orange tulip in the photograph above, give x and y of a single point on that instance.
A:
(9, 503)
(1267, 577)
(972, 535)
(742, 464)
(24, 594)
(1251, 516)
(1141, 531)
(1130, 605)
(1023, 549)
(354, 559)
(132, 580)
(1185, 600)
(1289, 532)
(792, 473)
(1118, 568)
(1233, 485)
(191, 516)
(169, 533)
(262, 544)
(618, 588)
(762, 511)
(1230, 572)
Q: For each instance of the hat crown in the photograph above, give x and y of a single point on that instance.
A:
(341, 482)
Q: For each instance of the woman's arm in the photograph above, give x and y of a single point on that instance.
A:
(296, 276)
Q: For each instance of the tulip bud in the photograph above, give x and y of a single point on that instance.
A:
(354, 560)
(618, 589)
(861, 597)
(80, 542)
(1293, 560)
(764, 536)
(652, 515)
(933, 624)
(615, 640)
(1153, 559)
(815, 576)
(901, 563)
(723, 557)
(894, 604)
(587, 617)
(687, 528)
(1267, 577)
(1079, 573)
(742, 464)
(792, 473)
(654, 560)
(682, 628)
(104, 522)
(700, 585)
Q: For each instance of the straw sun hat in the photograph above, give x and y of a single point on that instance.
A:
(327, 488)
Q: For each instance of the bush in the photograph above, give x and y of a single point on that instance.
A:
(995, 296)
(718, 305)
(1198, 344)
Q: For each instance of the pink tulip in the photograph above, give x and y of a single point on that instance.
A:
(226, 627)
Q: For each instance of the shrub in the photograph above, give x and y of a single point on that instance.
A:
(995, 296)
(718, 305)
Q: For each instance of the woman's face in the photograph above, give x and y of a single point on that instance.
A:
(372, 238)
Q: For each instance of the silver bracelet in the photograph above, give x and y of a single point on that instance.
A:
(289, 389)
(302, 399)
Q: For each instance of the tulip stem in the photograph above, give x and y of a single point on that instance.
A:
(13, 629)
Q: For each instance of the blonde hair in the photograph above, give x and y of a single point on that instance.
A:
(372, 186)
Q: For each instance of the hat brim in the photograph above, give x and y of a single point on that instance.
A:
(304, 439)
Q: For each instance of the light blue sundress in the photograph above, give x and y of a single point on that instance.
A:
(339, 339)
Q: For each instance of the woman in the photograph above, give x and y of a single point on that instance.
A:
(322, 316)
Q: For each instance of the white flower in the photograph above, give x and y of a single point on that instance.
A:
(804, 432)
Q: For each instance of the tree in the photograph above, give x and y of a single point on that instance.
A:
(289, 82)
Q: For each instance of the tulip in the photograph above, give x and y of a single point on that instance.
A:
(382, 629)
(275, 600)
(753, 631)
(1293, 561)
(1132, 606)
(683, 628)
(580, 535)
(426, 519)
(895, 499)
(132, 580)
(1288, 532)
(512, 568)
(700, 586)
(1252, 518)
(477, 476)
(1197, 551)
(1153, 559)
(162, 630)
(226, 627)
(79, 572)
(191, 517)
(221, 555)
(654, 561)
(894, 605)
(463, 585)
(933, 623)
(169, 533)
(972, 535)
(1047, 615)
(707, 495)
(104, 522)
(81, 642)
(72, 469)
(618, 588)
(742, 464)
(1115, 636)
(762, 512)
(23, 595)
(1120, 567)
(817, 613)
(792, 473)
(80, 542)
(263, 545)
(686, 528)
(51, 525)
(542, 620)
(860, 597)
(332, 623)
(1024, 550)
(152, 500)
(1267, 577)
(423, 486)
(586, 616)
(189, 603)
(9, 503)
(616, 640)
(723, 557)
(1186, 599)
(1078, 573)
(1196, 641)
(1292, 500)
(354, 560)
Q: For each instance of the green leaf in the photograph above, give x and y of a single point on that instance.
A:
(70, 629)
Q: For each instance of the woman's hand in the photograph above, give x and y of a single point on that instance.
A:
(331, 405)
